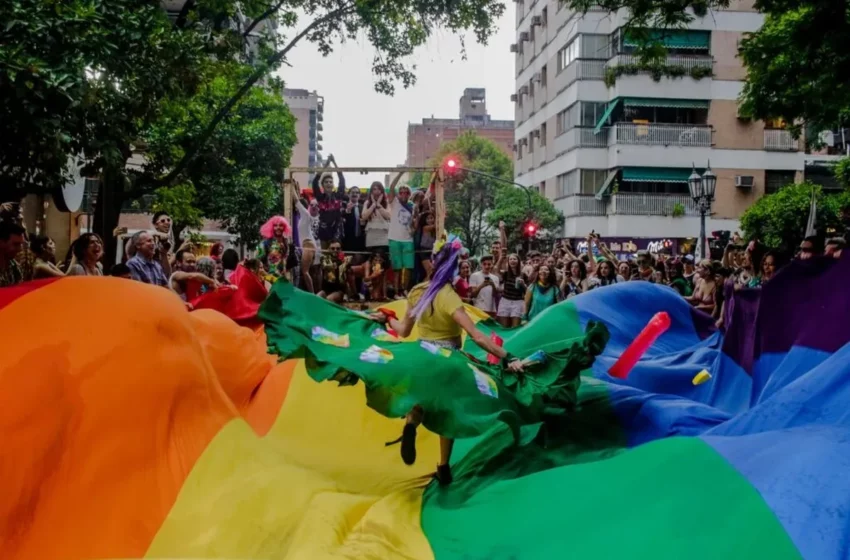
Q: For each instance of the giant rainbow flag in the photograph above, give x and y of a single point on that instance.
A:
(134, 429)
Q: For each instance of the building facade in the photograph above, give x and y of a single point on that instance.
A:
(424, 139)
(308, 108)
(612, 145)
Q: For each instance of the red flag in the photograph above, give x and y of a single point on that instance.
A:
(240, 304)
(498, 341)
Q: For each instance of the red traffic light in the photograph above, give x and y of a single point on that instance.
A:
(530, 228)
(451, 164)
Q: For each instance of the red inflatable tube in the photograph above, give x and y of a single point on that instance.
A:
(659, 323)
(491, 359)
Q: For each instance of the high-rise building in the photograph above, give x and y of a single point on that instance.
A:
(308, 108)
(613, 145)
(424, 139)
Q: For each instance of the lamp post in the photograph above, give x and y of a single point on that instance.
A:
(702, 191)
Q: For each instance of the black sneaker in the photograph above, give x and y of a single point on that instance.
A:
(444, 475)
(408, 444)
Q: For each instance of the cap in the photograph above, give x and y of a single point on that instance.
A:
(688, 259)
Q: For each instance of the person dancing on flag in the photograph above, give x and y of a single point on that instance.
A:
(440, 315)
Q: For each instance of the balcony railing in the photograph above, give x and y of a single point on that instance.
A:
(581, 137)
(687, 135)
(582, 205)
(686, 61)
(779, 140)
(584, 69)
(645, 204)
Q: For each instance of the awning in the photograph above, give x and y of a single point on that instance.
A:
(605, 116)
(673, 39)
(606, 184)
(656, 174)
(666, 103)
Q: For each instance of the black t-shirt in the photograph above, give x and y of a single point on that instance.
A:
(512, 292)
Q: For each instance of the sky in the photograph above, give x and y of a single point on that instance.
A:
(366, 128)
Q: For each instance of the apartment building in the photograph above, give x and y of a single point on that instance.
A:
(308, 108)
(612, 146)
(424, 139)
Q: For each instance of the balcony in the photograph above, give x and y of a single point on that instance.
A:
(582, 69)
(696, 65)
(777, 140)
(647, 204)
(581, 137)
(581, 205)
(682, 135)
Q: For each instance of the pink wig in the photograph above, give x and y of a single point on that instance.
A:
(267, 231)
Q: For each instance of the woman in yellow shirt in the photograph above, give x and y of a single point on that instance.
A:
(439, 313)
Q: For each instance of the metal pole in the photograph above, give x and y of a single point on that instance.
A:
(700, 252)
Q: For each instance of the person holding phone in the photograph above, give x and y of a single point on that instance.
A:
(485, 286)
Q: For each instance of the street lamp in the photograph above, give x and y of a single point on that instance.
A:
(702, 191)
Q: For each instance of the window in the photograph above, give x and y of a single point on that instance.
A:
(531, 142)
(565, 184)
(543, 134)
(544, 76)
(595, 46)
(531, 87)
(567, 119)
(592, 179)
(542, 188)
(776, 179)
(545, 15)
(591, 112)
(568, 54)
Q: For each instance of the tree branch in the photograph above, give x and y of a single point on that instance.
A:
(267, 14)
(184, 14)
(246, 87)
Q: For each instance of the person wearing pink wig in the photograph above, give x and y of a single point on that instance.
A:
(274, 249)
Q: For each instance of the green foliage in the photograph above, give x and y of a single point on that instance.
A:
(656, 70)
(842, 172)
(779, 220)
(511, 207)
(652, 14)
(87, 79)
(678, 210)
(179, 202)
(470, 196)
(237, 173)
(476, 204)
(797, 64)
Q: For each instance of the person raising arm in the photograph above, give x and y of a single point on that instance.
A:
(438, 312)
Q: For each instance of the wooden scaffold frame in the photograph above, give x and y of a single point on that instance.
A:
(438, 178)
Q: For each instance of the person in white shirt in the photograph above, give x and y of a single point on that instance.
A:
(485, 286)
(310, 255)
(400, 237)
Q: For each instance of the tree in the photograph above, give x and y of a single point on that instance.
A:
(235, 177)
(470, 196)
(798, 64)
(86, 79)
(511, 207)
(475, 204)
(779, 220)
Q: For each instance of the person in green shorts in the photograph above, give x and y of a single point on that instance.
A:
(400, 237)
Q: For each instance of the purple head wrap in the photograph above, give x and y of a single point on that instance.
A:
(445, 263)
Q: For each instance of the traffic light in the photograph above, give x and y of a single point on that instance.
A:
(530, 229)
(451, 166)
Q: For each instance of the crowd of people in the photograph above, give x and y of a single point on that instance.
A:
(348, 245)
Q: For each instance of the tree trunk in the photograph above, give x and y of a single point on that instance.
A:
(110, 198)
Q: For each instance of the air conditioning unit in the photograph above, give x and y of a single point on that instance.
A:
(523, 142)
(538, 77)
(523, 90)
(514, 48)
(740, 115)
(513, 147)
(523, 36)
(513, 97)
(536, 133)
(536, 20)
(744, 181)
